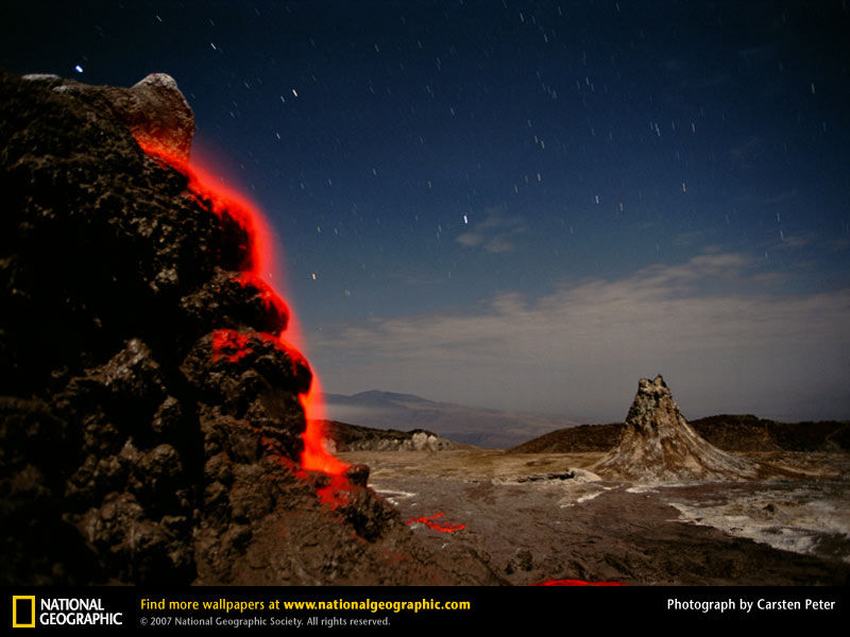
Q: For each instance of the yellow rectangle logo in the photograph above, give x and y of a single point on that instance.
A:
(23, 619)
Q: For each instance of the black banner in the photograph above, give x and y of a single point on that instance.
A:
(389, 610)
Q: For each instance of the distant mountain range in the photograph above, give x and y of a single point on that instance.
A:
(469, 425)
(728, 432)
(535, 433)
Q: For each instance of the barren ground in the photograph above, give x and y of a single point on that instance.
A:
(532, 525)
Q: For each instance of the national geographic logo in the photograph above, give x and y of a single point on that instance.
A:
(23, 611)
(29, 612)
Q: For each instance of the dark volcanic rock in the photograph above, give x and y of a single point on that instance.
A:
(231, 299)
(150, 416)
(153, 109)
(548, 477)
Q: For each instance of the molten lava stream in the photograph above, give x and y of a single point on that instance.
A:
(431, 521)
(260, 264)
(316, 457)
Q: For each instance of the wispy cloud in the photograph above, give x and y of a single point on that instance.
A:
(496, 233)
(581, 349)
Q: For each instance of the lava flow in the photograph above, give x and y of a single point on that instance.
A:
(230, 205)
(431, 521)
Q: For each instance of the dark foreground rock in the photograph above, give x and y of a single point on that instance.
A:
(150, 417)
(153, 109)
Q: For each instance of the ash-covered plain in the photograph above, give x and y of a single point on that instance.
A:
(663, 506)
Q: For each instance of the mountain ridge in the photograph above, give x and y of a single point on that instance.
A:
(730, 432)
(477, 426)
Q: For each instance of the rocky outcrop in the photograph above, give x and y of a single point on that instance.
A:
(154, 109)
(151, 409)
(658, 445)
(344, 437)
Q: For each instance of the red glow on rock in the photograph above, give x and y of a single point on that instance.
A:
(337, 492)
(222, 200)
(270, 298)
(576, 582)
(229, 345)
(258, 269)
(431, 521)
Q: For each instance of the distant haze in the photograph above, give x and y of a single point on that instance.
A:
(460, 423)
(727, 339)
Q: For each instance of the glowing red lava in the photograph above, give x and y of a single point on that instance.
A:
(431, 522)
(337, 491)
(257, 270)
(230, 345)
(576, 582)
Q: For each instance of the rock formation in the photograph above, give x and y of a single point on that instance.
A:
(658, 445)
(151, 410)
(344, 437)
(154, 109)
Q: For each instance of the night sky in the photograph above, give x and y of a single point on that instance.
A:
(524, 205)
